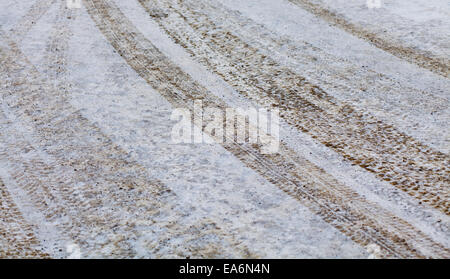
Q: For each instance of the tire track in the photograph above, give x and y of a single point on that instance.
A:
(419, 25)
(363, 221)
(359, 137)
(37, 10)
(17, 239)
(440, 66)
(100, 197)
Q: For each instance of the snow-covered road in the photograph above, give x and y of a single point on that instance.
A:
(88, 165)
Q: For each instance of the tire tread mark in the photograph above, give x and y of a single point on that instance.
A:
(359, 137)
(17, 238)
(394, 235)
(90, 185)
(36, 11)
(436, 65)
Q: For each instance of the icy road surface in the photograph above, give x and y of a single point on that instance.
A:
(89, 168)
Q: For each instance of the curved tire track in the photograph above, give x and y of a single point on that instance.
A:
(17, 238)
(359, 137)
(100, 198)
(348, 81)
(313, 187)
(439, 66)
(36, 11)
